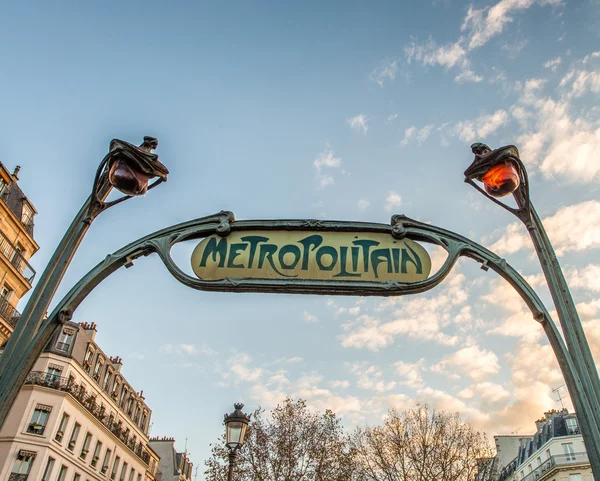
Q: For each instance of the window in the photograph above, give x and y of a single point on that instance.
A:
(74, 435)
(143, 421)
(131, 474)
(106, 382)
(96, 455)
(569, 451)
(48, 469)
(62, 428)
(85, 449)
(575, 477)
(139, 478)
(539, 461)
(62, 474)
(77, 477)
(26, 214)
(106, 461)
(123, 397)
(548, 455)
(6, 292)
(2, 186)
(572, 427)
(115, 467)
(37, 425)
(123, 472)
(53, 374)
(23, 462)
(87, 361)
(98, 368)
(64, 340)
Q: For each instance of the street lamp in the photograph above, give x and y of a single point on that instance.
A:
(127, 168)
(502, 173)
(236, 425)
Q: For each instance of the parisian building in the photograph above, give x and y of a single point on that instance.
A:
(555, 452)
(174, 466)
(17, 245)
(77, 418)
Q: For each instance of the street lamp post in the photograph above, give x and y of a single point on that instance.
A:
(236, 425)
(503, 173)
(128, 169)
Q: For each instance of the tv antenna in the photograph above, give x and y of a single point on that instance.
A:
(557, 392)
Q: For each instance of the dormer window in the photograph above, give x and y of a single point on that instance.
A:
(98, 368)
(65, 340)
(572, 426)
(106, 382)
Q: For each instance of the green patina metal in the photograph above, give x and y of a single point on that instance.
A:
(574, 358)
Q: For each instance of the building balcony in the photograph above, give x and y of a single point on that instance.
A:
(18, 477)
(88, 401)
(9, 313)
(553, 462)
(16, 259)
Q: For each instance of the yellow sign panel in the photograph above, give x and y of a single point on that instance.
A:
(347, 256)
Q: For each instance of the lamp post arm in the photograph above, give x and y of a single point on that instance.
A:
(563, 300)
(46, 287)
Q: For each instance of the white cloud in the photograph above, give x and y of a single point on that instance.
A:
(310, 317)
(385, 72)
(472, 361)
(363, 204)
(240, 370)
(392, 117)
(370, 377)
(420, 135)
(468, 75)
(429, 53)
(339, 384)
(410, 373)
(484, 24)
(553, 64)
(392, 201)
(420, 318)
(482, 126)
(326, 160)
(358, 123)
(572, 228)
(585, 278)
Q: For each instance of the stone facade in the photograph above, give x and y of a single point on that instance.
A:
(77, 418)
(174, 466)
(17, 245)
(555, 452)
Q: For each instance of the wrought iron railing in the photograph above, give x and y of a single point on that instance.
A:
(8, 312)
(14, 257)
(88, 401)
(18, 477)
(553, 461)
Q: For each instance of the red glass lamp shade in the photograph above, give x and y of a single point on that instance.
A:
(501, 179)
(127, 180)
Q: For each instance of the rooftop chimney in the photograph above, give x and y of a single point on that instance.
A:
(16, 172)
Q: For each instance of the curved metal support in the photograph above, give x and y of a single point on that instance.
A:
(162, 241)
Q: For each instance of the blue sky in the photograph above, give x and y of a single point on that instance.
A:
(333, 110)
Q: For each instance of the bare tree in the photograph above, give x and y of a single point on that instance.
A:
(291, 443)
(418, 444)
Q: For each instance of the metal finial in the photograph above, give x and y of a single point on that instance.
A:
(238, 406)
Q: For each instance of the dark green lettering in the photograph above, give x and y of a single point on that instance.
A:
(407, 258)
(343, 261)
(253, 240)
(315, 241)
(234, 251)
(213, 247)
(326, 250)
(289, 249)
(396, 258)
(266, 251)
(377, 257)
(366, 245)
(355, 251)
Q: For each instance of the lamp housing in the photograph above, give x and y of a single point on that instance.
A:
(236, 426)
